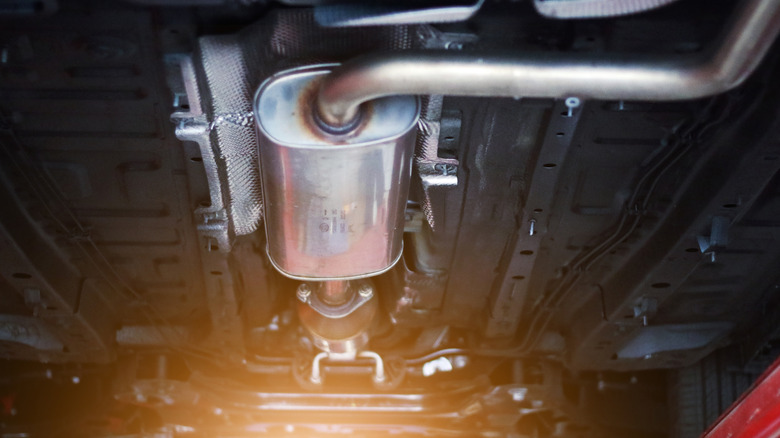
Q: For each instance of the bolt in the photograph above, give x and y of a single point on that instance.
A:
(365, 291)
(304, 292)
(571, 103)
(445, 168)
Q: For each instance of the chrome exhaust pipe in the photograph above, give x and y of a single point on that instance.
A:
(743, 45)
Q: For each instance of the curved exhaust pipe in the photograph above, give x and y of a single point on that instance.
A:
(743, 45)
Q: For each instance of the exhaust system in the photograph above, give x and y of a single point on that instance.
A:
(336, 144)
(334, 201)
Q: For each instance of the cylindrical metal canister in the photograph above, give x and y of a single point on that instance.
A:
(334, 204)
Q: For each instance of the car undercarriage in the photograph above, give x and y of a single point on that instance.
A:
(532, 218)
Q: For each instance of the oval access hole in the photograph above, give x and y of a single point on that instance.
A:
(661, 285)
(21, 275)
(526, 252)
(549, 165)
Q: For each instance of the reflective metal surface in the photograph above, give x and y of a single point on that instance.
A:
(334, 205)
(378, 14)
(352, 300)
(742, 48)
(564, 9)
(340, 330)
(335, 292)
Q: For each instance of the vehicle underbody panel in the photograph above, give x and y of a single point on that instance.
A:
(177, 260)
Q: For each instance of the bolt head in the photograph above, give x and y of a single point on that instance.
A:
(366, 291)
(304, 292)
(572, 102)
(445, 168)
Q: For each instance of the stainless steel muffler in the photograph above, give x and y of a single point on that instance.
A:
(334, 202)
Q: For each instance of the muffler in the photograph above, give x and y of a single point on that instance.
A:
(334, 201)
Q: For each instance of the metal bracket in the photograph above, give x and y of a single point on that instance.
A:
(192, 125)
(361, 297)
(718, 238)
